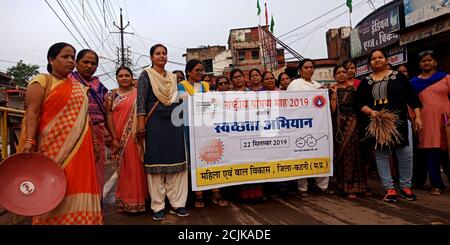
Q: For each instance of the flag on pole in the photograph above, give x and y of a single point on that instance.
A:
(272, 24)
(349, 5)
(258, 7)
(267, 15)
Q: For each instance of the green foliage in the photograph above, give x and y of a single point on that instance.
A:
(22, 72)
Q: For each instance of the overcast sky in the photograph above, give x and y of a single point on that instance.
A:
(29, 27)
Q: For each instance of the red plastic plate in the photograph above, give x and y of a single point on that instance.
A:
(31, 184)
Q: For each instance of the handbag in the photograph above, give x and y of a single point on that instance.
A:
(141, 144)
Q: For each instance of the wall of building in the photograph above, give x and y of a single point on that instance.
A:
(323, 74)
(338, 43)
(241, 43)
(222, 61)
(16, 101)
(204, 53)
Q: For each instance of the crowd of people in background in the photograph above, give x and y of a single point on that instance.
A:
(69, 112)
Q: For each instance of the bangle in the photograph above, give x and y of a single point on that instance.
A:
(31, 141)
(140, 134)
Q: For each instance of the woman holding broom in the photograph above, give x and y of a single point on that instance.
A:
(383, 97)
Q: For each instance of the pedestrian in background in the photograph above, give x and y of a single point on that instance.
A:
(223, 83)
(238, 80)
(210, 80)
(351, 73)
(256, 80)
(283, 81)
(403, 69)
(269, 81)
(180, 75)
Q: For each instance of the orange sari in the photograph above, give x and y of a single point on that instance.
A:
(64, 135)
(131, 191)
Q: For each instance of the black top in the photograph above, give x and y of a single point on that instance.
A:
(393, 93)
(164, 141)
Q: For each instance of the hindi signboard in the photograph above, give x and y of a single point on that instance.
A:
(396, 56)
(376, 32)
(248, 137)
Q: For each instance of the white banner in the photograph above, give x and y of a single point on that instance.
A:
(248, 137)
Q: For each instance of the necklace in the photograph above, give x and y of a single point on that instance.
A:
(124, 91)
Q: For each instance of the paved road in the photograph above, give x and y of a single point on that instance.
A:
(292, 209)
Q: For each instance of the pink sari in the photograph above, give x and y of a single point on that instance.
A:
(131, 191)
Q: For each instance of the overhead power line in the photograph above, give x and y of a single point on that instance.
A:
(316, 28)
(76, 28)
(76, 39)
(309, 22)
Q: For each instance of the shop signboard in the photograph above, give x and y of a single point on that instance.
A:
(396, 56)
(376, 32)
(417, 11)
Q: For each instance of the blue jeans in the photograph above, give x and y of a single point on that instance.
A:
(405, 164)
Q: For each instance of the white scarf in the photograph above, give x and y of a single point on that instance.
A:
(164, 88)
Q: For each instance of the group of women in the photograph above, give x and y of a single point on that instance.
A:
(69, 111)
(354, 102)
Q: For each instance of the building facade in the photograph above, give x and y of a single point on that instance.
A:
(427, 27)
(338, 43)
(207, 55)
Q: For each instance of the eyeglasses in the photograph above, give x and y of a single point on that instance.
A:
(425, 52)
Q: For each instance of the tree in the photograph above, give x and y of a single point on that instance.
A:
(22, 72)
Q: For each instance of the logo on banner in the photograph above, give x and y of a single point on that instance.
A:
(212, 152)
(319, 101)
(214, 104)
(308, 141)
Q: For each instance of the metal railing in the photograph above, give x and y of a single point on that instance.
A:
(5, 113)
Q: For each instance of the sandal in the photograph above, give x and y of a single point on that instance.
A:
(218, 200)
(436, 192)
(199, 203)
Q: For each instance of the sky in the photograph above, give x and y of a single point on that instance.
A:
(29, 27)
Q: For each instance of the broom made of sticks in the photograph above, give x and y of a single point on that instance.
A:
(383, 127)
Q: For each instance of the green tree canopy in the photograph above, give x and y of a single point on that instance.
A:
(22, 72)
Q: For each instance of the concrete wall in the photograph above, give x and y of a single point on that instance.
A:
(221, 61)
(204, 53)
(338, 43)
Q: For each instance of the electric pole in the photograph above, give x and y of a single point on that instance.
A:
(121, 29)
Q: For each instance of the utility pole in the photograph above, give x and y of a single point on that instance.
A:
(121, 29)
